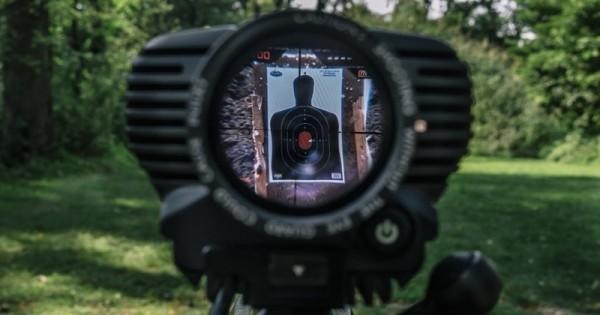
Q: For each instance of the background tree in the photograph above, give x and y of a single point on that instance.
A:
(94, 41)
(26, 127)
(563, 60)
(490, 20)
(198, 13)
(2, 48)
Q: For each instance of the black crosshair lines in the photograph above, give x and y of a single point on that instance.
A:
(304, 139)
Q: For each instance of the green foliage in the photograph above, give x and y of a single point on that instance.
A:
(487, 20)
(577, 148)
(198, 13)
(506, 120)
(526, 104)
(94, 42)
(408, 16)
(563, 61)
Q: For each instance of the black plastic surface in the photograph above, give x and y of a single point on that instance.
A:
(159, 88)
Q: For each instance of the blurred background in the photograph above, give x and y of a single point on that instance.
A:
(78, 228)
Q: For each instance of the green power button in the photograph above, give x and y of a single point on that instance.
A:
(387, 232)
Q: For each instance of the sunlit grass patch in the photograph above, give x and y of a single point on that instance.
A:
(89, 243)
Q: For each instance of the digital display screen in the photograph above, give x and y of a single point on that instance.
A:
(301, 127)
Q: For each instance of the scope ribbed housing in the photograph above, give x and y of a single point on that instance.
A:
(159, 88)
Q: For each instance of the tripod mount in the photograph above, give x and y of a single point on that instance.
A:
(463, 283)
(291, 280)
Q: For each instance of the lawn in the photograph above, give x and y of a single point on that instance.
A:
(86, 242)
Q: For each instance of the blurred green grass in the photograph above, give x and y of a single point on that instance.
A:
(83, 238)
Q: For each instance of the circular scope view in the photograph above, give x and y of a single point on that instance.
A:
(301, 127)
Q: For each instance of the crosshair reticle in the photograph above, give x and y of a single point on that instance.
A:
(301, 126)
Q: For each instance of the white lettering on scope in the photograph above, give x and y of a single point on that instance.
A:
(401, 167)
(200, 162)
(287, 230)
(195, 144)
(339, 225)
(237, 210)
(199, 86)
(371, 207)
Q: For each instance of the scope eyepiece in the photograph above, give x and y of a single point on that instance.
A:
(299, 122)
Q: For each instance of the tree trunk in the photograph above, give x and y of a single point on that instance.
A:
(26, 124)
(321, 4)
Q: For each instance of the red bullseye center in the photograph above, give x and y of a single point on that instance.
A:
(305, 140)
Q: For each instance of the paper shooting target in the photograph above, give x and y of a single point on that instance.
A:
(304, 125)
(305, 145)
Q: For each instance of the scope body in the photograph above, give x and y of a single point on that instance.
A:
(278, 266)
(159, 88)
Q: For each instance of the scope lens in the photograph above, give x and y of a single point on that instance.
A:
(302, 126)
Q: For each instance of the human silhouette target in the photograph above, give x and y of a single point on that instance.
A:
(305, 140)
(303, 127)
